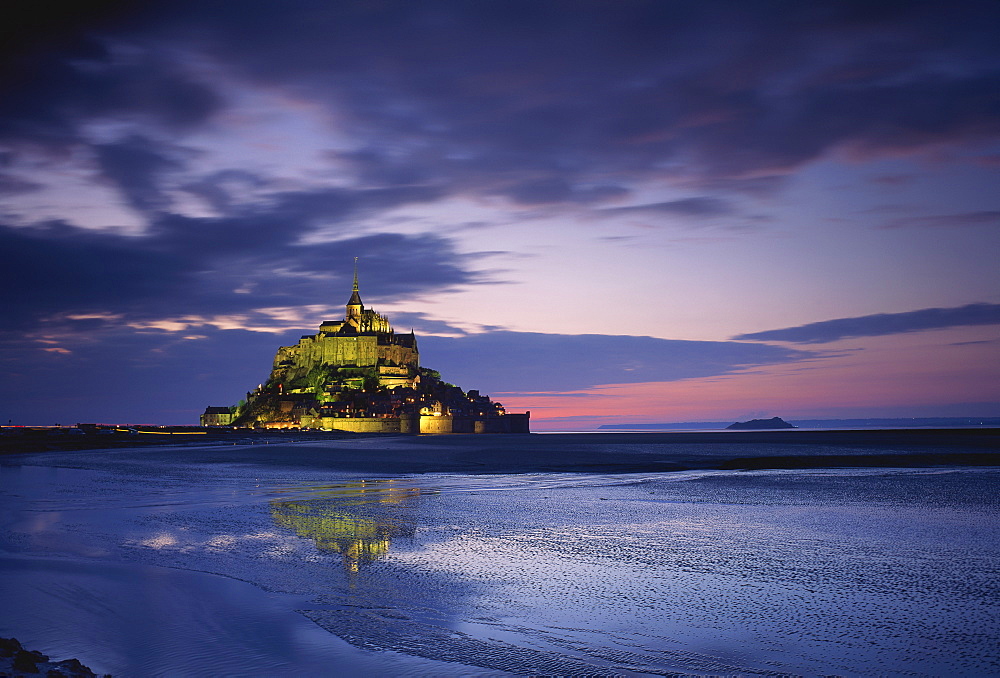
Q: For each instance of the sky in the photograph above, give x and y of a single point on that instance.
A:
(603, 212)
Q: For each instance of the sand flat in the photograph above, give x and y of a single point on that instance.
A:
(286, 557)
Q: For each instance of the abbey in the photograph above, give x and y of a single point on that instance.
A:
(357, 374)
(363, 339)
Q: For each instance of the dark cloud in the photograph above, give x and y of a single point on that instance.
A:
(975, 343)
(525, 361)
(558, 190)
(983, 218)
(700, 206)
(272, 224)
(206, 267)
(722, 89)
(50, 95)
(894, 179)
(764, 185)
(12, 185)
(542, 102)
(184, 265)
(57, 268)
(882, 324)
(119, 376)
(135, 165)
(220, 190)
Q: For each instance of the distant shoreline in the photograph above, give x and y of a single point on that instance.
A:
(599, 452)
(975, 436)
(823, 424)
(30, 440)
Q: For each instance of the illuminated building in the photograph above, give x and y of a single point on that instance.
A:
(357, 374)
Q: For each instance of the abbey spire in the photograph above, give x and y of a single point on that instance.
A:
(355, 308)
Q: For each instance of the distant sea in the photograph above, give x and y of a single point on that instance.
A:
(907, 422)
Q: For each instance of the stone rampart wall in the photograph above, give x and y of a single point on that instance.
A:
(510, 423)
(430, 423)
(426, 423)
(360, 351)
(364, 424)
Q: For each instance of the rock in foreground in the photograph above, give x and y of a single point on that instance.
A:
(16, 661)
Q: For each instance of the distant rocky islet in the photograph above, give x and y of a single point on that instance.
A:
(760, 424)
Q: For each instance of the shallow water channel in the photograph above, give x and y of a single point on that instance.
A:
(141, 568)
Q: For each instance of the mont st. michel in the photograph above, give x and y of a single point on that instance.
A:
(358, 374)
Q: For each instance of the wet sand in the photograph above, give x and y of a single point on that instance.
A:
(579, 452)
(561, 554)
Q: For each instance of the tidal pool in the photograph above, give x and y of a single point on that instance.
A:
(141, 567)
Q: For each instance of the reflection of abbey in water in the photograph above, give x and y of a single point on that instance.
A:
(348, 524)
(357, 374)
